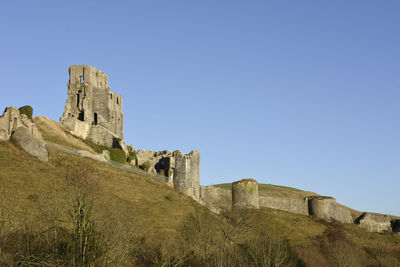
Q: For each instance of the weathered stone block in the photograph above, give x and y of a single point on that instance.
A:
(245, 194)
(25, 140)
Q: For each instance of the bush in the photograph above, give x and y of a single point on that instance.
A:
(117, 155)
(131, 156)
(27, 110)
(145, 166)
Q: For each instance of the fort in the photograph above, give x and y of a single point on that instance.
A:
(94, 113)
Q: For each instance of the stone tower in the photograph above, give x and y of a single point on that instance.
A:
(245, 194)
(187, 173)
(90, 100)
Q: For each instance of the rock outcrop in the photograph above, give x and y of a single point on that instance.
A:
(92, 111)
(326, 208)
(23, 132)
(379, 223)
(12, 119)
(32, 145)
(245, 194)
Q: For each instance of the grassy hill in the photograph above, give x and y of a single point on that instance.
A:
(75, 211)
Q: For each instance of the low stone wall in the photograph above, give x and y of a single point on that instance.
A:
(375, 222)
(215, 198)
(294, 205)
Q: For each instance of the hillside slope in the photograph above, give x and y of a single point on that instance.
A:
(139, 220)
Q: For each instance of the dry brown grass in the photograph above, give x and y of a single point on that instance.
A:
(129, 206)
(118, 192)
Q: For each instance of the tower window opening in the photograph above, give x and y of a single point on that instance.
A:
(117, 101)
(77, 100)
(81, 79)
(95, 118)
(111, 96)
(81, 116)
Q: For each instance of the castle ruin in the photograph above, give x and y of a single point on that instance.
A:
(92, 110)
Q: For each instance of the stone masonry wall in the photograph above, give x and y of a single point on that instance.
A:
(215, 198)
(294, 205)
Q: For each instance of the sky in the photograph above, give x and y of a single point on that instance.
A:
(302, 94)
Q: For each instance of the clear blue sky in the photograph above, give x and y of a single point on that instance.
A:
(296, 93)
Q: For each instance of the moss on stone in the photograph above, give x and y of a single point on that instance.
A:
(250, 189)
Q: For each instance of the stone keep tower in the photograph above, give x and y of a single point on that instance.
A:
(90, 100)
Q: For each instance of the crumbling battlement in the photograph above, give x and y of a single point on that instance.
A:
(182, 170)
(92, 110)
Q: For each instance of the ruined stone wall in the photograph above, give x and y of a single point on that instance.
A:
(326, 208)
(182, 170)
(379, 223)
(215, 198)
(294, 205)
(90, 100)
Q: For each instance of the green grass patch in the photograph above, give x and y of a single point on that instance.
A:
(145, 166)
(117, 155)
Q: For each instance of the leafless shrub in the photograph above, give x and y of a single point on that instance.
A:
(269, 251)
